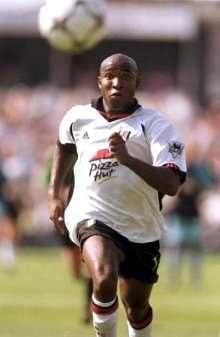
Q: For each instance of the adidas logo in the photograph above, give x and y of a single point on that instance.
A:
(85, 135)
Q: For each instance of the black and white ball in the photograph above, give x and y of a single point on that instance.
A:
(73, 25)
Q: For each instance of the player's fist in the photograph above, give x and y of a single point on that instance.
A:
(118, 148)
(56, 214)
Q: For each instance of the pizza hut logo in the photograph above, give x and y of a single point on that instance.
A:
(103, 166)
(101, 154)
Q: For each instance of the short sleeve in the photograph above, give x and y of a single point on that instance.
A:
(65, 129)
(166, 145)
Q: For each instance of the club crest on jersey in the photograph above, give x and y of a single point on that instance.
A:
(102, 167)
(124, 134)
(175, 148)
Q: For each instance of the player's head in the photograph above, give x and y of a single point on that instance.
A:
(118, 79)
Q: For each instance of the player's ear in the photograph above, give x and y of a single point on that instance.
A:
(99, 82)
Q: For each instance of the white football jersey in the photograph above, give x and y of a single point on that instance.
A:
(110, 192)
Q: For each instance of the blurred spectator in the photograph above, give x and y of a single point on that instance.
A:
(183, 241)
(9, 211)
(210, 218)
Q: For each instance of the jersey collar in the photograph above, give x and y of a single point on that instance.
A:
(98, 105)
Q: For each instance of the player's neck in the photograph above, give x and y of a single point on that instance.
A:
(113, 111)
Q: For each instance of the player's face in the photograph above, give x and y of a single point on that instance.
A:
(117, 83)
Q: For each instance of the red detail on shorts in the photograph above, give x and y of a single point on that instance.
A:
(172, 165)
(145, 323)
(101, 154)
(104, 311)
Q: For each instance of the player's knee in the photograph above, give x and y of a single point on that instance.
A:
(137, 313)
(105, 283)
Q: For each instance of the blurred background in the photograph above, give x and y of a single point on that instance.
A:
(177, 47)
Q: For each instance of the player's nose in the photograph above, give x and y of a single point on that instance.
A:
(117, 83)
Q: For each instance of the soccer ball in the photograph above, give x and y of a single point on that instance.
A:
(72, 25)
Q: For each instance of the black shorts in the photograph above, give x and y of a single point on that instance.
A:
(141, 259)
(65, 241)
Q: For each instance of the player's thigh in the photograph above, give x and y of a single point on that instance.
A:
(101, 255)
(134, 293)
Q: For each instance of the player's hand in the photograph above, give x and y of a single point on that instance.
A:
(56, 214)
(118, 148)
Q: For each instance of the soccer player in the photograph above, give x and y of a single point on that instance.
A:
(126, 158)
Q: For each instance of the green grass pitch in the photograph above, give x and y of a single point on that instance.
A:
(40, 299)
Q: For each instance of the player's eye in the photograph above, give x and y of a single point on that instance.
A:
(109, 76)
(125, 77)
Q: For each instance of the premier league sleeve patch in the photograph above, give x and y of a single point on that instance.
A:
(175, 148)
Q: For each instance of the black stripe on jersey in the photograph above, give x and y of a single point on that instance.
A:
(160, 197)
(71, 132)
(143, 129)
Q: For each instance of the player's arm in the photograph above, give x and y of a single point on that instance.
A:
(163, 179)
(64, 157)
